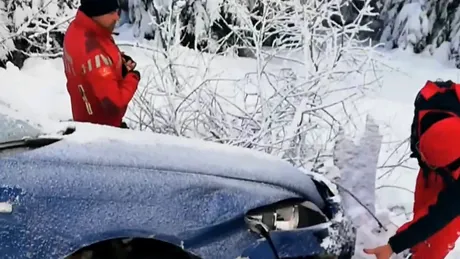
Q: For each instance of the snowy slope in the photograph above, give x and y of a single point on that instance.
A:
(38, 93)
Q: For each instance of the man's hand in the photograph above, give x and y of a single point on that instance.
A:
(381, 252)
(128, 64)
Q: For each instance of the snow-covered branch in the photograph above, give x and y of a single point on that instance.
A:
(32, 28)
(289, 109)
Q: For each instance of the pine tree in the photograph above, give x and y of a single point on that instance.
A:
(34, 26)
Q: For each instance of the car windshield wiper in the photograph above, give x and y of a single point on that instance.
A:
(28, 143)
(34, 142)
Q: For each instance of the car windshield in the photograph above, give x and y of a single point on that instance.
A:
(15, 129)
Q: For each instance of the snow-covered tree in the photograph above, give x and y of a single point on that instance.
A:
(211, 25)
(30, 27)
(407, 25)
(289, 111)
(6, 42)
(201, 24)
(431, 26)
(36, 26)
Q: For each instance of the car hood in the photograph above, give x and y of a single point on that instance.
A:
(108, 146)
(146, 185)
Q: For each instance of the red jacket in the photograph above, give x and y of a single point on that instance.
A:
(93, 67)
(438, 204)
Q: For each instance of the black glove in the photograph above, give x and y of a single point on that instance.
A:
(124, 69)
(137, 74)
(126, 58)
(124, 72)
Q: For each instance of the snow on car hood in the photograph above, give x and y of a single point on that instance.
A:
(101, 145)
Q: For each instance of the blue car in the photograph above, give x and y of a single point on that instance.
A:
(94, 192)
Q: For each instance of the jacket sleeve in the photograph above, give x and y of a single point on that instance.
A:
(440, 146)
(433, 219)
(101, 75)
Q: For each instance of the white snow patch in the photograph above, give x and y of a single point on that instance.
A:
(6, 207)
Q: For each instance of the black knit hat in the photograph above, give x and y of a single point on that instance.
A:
(98, 7)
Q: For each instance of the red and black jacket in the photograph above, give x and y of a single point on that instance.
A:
(438, 146)
(93, 66)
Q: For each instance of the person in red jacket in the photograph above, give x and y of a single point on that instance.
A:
(101, 81)
(435, 226)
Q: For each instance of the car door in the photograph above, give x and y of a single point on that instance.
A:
(13, 222)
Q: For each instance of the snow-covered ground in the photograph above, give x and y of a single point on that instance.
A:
(38, 93)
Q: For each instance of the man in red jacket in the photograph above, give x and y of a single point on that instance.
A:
(435, 227)
(100, 80)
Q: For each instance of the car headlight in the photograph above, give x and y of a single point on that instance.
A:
(287, 215)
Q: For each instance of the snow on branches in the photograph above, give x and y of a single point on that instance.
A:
(291, 110)
(30, 27)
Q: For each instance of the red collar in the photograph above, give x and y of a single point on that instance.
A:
(91, 25)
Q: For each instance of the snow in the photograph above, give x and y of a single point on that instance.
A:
(6, 207)
(109, 146)
(38, 93)
(5, 43)
(411, 24)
